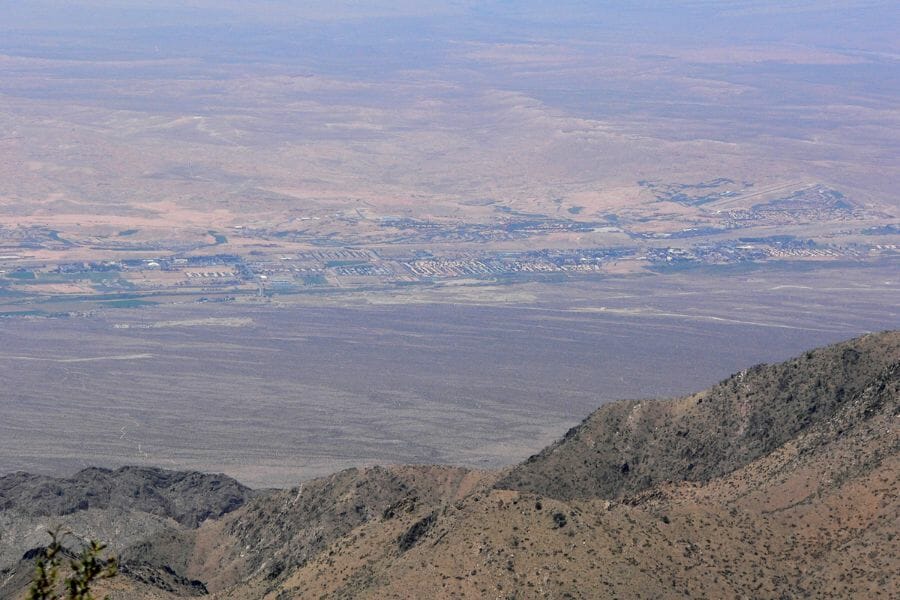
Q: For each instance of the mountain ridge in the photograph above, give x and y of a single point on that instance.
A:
(780, 481)
(627, 446)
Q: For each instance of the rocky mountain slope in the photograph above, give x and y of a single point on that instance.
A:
(187, 498)
(627, 447)
(782, 481)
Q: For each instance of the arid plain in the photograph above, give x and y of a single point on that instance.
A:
(285, 389)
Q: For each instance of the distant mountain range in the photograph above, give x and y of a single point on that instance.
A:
(782, 481)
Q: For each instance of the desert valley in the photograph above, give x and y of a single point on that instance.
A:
(300, 300)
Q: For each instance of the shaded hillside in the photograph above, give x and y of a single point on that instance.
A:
(188, 498)
(121, 507)
(626, 447)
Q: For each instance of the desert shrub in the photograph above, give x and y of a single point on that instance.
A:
(86, 568)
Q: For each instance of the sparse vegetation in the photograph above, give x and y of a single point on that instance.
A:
(817, 512)
(86, 568)
(628, 447)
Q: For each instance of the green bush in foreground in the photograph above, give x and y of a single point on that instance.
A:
(86, 568)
